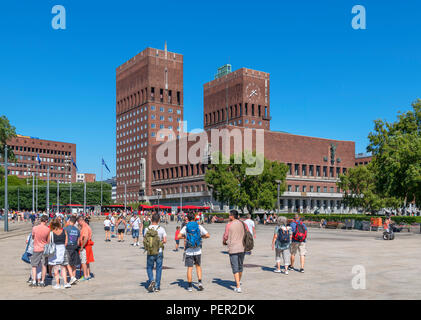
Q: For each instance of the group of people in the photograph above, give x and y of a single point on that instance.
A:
(60, 245)
(288, 241)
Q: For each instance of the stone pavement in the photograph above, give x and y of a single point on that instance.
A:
(392, 269)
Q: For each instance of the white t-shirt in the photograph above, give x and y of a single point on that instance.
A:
(161, 232)
(107, 223)
(250, 225)
(135, 222)
(112, 219)
(194, 251)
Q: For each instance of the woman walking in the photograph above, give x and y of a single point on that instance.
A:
(59, 237)
(281, 242)
(107, 227)
(121, 227)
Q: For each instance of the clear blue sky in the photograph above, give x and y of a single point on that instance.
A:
(327, 79)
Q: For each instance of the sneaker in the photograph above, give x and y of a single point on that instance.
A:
(156, 290)
(200, 286)
(238, 290)
(286, 272)
(29, 280)
(73, 280)
(290, 268)
(151, 286)
(133, 244)
(33, 284)
(190, 289)
(277, 271)
(41, 284)
(57, 286)
(302, 270)
(83, 279)
(67, 285)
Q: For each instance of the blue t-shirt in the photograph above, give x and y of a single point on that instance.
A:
(293, 226)
(73, 235)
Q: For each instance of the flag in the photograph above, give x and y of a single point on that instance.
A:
(74, 163)
(106, 167)
(38, 159)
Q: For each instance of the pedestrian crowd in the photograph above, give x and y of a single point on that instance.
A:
(62, 244)
(59, 245)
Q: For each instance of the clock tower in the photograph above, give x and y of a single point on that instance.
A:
(238, 98)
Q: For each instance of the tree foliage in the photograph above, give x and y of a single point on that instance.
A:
(7, 131)
(396, 149)
(231, 184)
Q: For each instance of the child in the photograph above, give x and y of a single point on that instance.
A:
(177, 241)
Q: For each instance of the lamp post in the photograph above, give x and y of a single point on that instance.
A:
(158, 191)
(6, 209)
(278, 202)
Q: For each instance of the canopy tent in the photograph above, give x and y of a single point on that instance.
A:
(160, 207)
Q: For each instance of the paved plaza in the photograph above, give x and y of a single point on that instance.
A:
(392, 268)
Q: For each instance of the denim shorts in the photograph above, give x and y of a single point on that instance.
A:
(135, 233)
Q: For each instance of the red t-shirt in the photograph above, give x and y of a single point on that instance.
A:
(176, 234)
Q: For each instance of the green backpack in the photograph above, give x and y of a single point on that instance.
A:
(151, 242)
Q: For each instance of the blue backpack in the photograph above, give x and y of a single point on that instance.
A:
(283, 236)
(193, 236)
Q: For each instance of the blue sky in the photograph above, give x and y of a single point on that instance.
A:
(327, 79)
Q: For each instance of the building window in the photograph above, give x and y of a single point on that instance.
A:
(297, 188)
(289, 188)
(296, 168)
(304, 170)
(317, 171)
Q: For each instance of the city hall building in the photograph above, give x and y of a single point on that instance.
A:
(149, 118)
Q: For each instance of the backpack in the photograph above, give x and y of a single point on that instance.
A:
(283, 236)
(151, 242)
(193, 236)
(248, 240)
(300, 233)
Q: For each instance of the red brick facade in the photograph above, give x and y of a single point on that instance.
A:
(55, 154)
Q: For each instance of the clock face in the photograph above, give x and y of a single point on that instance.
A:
(252, 91)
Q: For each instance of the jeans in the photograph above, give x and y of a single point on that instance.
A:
(150, 260)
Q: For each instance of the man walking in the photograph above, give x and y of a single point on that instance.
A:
(193, 233)
(153, 241)
(299, 236)
(41, 236)
(135, 223)
(233, 237)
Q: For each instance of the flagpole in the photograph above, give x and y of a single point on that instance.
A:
(33, 192)
(58, 196)
(48, 189)
(101, 179)
(36, 186)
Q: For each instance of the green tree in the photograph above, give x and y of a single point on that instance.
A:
(359, 188)
(231, 183)
(396, 149)
(7, 131)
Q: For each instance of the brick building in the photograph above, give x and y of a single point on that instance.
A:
(149, 98)
(238, 100)
(55, 154)
(362, 159)
(85, 177)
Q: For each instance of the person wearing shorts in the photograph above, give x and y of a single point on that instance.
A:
(135, 222)
(282, 249)
(296, 246)
(121, 228)
(72, 248)
(107, 227)
(233, 238)
(193, 256)
(41, 236)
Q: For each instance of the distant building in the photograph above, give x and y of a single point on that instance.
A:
(88, 177)
(53, 154)
(113, 184)
(363, 159)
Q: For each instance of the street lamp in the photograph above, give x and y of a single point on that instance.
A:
(158, 192)
(279, 186)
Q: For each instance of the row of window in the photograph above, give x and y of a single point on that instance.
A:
(184, 189)
(40, 151)
(132, 156)
(234, 112)
(179, 172)
(314, 170)
(141, 97)
(311, 189)
(41, 174)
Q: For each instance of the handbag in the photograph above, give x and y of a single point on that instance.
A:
(26, 257)
(50, 248)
